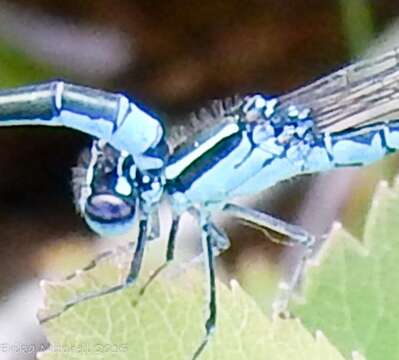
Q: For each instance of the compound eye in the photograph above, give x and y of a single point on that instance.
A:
(108, 208)
(108, 214)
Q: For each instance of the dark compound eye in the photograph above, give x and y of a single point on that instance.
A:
(108, 214)
(105, 197)
(108, 208)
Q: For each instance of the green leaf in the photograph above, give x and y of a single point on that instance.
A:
(353, 294)
(17, 68)
(167, 322)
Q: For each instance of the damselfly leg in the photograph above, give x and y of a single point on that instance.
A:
(215, 241)
(295, 236)
(137, 259)
(208, 251)
(170, 253)
(134, 270)
(220, 242)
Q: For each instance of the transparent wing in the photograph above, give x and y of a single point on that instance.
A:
(363, 93)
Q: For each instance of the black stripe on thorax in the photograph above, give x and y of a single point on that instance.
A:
(201, 165)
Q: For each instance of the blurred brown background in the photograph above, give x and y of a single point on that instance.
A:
(172, 56)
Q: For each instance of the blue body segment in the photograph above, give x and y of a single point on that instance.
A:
(249, 156)
(113, 118)
(107, 116)
(253, 143)
(359, 147)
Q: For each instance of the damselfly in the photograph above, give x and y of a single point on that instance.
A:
(349, 118)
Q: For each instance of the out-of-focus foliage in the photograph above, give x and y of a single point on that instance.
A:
(352, 295)
(17, 69)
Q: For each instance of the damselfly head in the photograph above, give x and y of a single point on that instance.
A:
(104, 189)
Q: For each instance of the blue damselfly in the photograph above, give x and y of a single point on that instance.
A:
(349, 118)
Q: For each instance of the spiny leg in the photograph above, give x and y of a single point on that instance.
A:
(137, 259)
(208, 249)
(296, 235)
(135, 264)
(286, 289)
(220, 242)
(170, 253)
(131, 277)
(214, 241)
